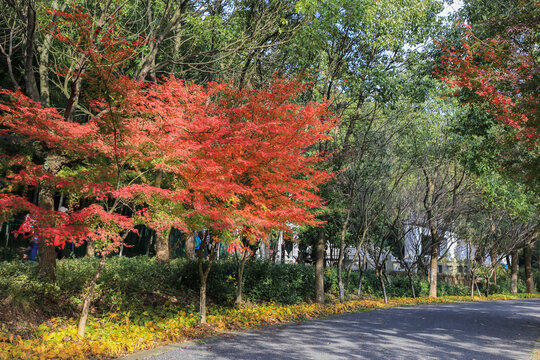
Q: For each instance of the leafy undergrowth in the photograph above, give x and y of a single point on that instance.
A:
(118, 334)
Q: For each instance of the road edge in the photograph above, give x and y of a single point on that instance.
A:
(147, 354)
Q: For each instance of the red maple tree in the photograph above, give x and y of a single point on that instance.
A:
(171, 154)
(498, 73)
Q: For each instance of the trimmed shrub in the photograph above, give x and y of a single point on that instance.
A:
(140, 285)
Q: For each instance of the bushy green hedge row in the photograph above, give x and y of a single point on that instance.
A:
(139, 284)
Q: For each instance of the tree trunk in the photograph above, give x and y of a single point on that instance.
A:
(386, 277)
(7, 234)
(342, 254)
(472, 284)
(44, 61)
(319, 268)
(29, 76)
(148, 63)
(411, 283)
(75, 89)
(514, 272)
(362, 268)
(162, 247)
(356, 254)
(529, 280)
(90, 248)
(47, 253)
(144, 235)
(383, 287)
(190, 245)
(88, 298)
(203, 276)
(283, 250)
(493, 258)
(477, 288)
(301, 254)
(435, 242)
(240, 279)
(8, 53)
(202, 299)
(433, 269)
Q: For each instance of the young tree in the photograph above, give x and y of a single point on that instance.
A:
(260, 151)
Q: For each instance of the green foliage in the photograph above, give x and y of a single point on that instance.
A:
(399, 285)
(23, 290)
(143, 288)
(284, 283)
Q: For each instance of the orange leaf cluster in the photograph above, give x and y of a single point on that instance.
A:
(232, 160)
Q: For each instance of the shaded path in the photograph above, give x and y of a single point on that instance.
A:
(479, 330)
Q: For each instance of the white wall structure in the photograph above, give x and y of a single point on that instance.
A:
(454, 252)
(288, 257)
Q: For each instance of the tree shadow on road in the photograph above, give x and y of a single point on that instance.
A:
(494, 330)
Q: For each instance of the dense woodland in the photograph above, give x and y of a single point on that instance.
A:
(338, 123)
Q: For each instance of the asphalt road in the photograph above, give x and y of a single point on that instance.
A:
(479, 330)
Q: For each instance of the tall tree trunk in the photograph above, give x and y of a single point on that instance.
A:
(44, 71)
(240, 279)
(190, 245)
(202, 298)
(342, 254)
(363, 268)
(383, 287)
(29, 76)
(435, 242)
(75, 89)
(529, 280)
(493, 258)
(144, 235)
(282, 247)
(47, 253)
(203, 275)
(162, 247)
(148, 63)
(88, 298)
(356, 254)
(473, 281)
(44, 60)
(411, 283)
(8, 53)
(514, 272)
(6, 234)
(433, 270)
(319, 267)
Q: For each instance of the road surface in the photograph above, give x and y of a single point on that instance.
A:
(479, 330)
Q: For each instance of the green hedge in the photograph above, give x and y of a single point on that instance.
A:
(140, 284)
